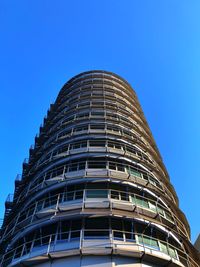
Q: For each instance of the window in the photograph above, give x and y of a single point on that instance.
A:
(84, 104)
(113, 128)
(52, 200)
(82, 115)
(97, 143)
(120, 168)
(75, 229)
(117, 226)
(78, 145)
(68, 196)
(97, 193)
(97, 127)
(96, 165)
(57, 172)
(112, 166)
(79, 194)
(97, 114)
(64, 133)
(124, 196)
(73, 167)
(94, 228)
(63, 232)
(76, 166)
(115, 166)
(114, 145)
(115, 194)
(81, 128)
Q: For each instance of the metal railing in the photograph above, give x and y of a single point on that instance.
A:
(139, 201)
(47, 244)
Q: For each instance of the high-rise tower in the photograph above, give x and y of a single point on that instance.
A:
(94, 191)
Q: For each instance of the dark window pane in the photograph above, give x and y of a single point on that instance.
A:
(112, 166)
(97, 143)
(97, 193)
(96, 223)
(96, 165)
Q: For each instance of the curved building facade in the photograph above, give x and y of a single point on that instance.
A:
(94, 191)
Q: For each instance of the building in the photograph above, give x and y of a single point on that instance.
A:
(94, 191)
(197, 244)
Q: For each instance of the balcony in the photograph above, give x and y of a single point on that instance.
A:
(96, 242)
(100, 201)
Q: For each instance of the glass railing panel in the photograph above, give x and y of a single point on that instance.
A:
(172, 252)
(163, 248)
(148, 241)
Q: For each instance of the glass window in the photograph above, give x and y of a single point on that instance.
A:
(97, 114)
(75, 229)
(83, 115)
(114, 145)
(120, 168)
(78, 194)
(81, 128)
(78, 145)
(97, 193)
(76, 225)
(97, 127)
(97, 143)
(73, 167)
(68, 196)
(96, 223)
(113, 128)
(117, 226)
(111, 144)
(96, 165)
(81, 165)
(128, 226)
(112, 166)
(96, 234)
(75, 146)
(115, 194)
(124, 196)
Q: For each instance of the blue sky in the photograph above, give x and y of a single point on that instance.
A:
(155, 45)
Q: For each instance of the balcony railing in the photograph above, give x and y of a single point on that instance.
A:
(87, 198)
(53, 243)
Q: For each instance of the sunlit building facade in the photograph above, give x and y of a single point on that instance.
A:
(94, 191)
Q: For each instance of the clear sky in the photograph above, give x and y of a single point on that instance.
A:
(153, 44)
